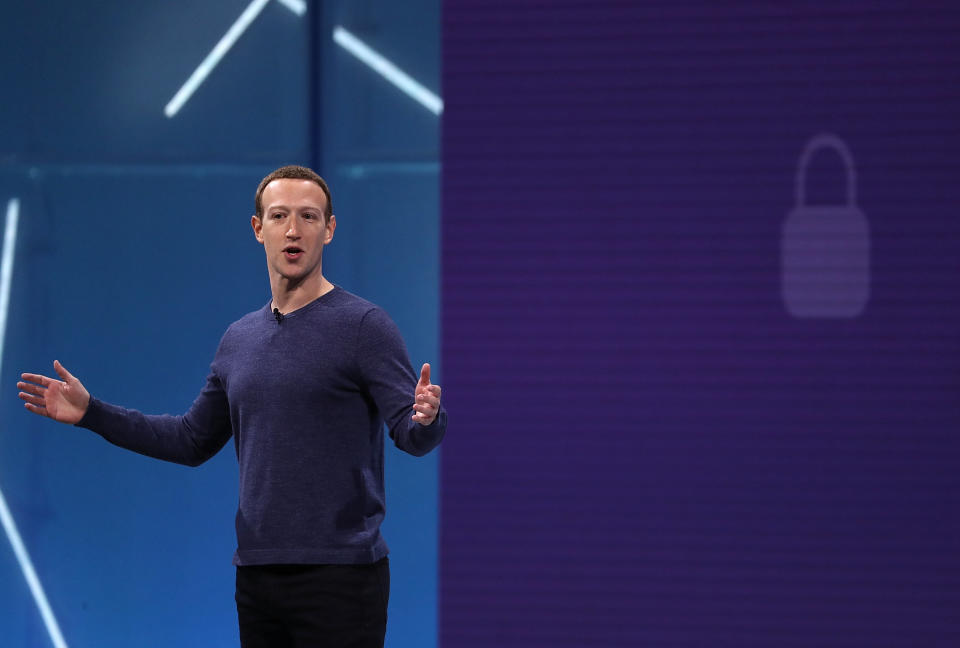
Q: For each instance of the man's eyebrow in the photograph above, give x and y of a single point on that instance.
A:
(285, 208)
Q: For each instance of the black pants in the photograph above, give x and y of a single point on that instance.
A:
(313, 606)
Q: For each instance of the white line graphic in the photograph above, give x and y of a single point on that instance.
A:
(6, 266)
(19, 550)
(298, 7)
(388, 70)
(220, 50)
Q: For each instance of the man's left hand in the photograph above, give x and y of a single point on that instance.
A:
(426, 399)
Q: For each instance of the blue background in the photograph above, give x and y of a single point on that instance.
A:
(135, 252)
(648, 449)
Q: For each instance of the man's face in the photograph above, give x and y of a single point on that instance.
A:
(293, 229)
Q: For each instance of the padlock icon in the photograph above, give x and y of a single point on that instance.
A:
(825, 249)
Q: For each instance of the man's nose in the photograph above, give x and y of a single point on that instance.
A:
(292, 231)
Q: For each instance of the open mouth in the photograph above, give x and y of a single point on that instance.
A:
(292, 252)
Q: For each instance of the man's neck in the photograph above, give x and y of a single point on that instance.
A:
(288, 297)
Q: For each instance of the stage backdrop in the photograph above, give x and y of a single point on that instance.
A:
(133, 252)
(696, 404)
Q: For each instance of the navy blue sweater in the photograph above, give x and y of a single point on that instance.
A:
(305, 400)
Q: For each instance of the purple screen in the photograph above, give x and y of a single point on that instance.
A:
(690, 408)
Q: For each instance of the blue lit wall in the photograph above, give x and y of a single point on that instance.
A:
(133, 255)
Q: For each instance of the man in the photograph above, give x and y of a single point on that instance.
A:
(303, 386)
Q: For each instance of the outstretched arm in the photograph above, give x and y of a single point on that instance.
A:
(190, 439)
(385, 367)
(63, 400)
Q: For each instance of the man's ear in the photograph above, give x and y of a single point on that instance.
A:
(257, 226)
(331, 226)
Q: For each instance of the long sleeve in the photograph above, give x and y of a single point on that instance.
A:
(385, 366)
(304, 400)
(189, 439)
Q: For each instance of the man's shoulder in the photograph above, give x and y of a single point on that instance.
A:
(345, 309)
(253, 318)
(245, 324)
(236, 338)
(346, 304)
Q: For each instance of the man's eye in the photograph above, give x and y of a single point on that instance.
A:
(309, 216)
(276, 216)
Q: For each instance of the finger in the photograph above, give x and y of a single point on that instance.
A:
(435, 390)
(428, 399)
(33, 400)
(30, 388)
(35, 378)
(425, 408)
(36, 410)
(62, 371)
(424, 375)
(423, 419)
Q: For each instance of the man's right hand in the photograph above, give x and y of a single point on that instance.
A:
(62, 400)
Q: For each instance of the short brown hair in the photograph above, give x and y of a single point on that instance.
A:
(292, 172)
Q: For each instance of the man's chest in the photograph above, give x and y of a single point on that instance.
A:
(283, 366)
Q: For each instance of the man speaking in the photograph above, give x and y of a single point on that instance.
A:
(304, 386)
